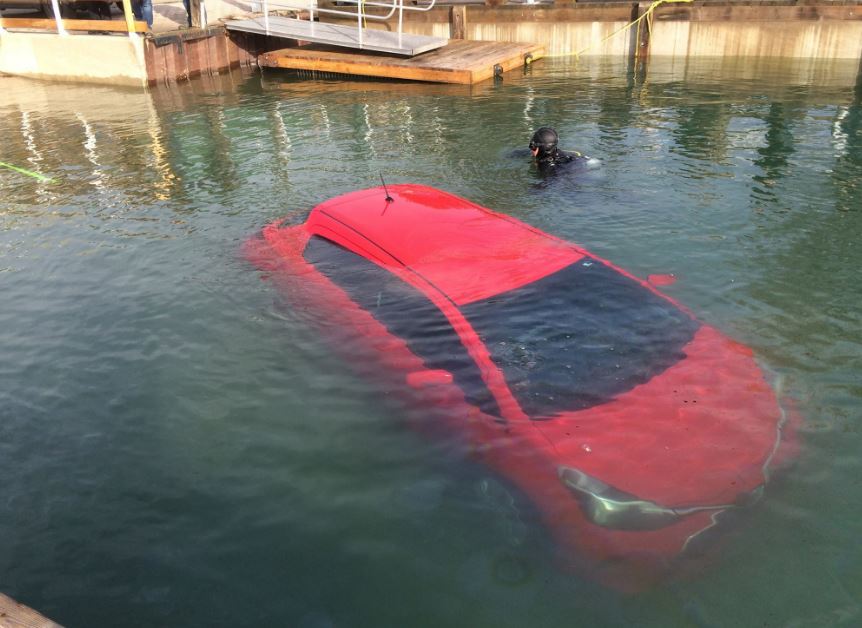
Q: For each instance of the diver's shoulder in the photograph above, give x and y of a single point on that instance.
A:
(572, 155)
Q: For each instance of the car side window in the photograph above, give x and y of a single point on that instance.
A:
(406, 313)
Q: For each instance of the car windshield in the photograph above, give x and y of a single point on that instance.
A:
(579, 337)
(406, 313)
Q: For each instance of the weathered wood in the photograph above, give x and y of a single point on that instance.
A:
(233, 54)
(176, 60)
(155, 59)
(458, 22)
(15, 615)
(107, 26)
(460, 61)
(194, 58)
(641, 51)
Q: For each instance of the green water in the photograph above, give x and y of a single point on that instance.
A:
(177, 447)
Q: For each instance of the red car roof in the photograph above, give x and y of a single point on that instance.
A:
(468, 252)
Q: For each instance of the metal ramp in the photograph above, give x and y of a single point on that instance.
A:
(397, 43)
(357, 37)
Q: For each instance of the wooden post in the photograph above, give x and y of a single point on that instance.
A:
(643, 34)
(639, 42)
(458, 22)
(857, 91)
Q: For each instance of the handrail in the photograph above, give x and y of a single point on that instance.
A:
(55, 6)
(129, 16)
(360, 13)
(63, 26)
(393, 6)
(296, 7)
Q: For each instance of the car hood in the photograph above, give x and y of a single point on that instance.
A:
(703, 432)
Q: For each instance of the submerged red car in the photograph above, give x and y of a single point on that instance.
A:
(633, 427)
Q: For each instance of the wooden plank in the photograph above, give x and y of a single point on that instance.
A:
(107, 26)
(15, 615)
(233, 58)
(338, 66)
(460, 61)
(194, 58)
(176, 60)
(217, 54)
(155, 58)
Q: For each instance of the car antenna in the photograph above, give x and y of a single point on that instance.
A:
(389, 199)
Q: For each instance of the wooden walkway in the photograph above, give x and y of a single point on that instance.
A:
(460, 61)
(15, 615)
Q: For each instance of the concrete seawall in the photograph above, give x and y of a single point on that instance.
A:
(130, 61)
(803, 29)
(82, 58)
(791, 29)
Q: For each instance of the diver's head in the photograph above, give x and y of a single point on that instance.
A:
(544, 142)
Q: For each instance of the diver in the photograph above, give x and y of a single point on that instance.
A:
(546, 153)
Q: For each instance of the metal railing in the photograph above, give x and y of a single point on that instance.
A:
(360, 13)
(63, 26)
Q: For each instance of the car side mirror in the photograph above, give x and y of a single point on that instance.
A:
(425, 379)
(662, 280)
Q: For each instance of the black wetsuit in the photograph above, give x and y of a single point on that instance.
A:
(558, 157)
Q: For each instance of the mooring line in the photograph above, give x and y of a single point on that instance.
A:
(29, 173)
(647, 15)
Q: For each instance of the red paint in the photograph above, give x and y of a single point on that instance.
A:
(704, 432)
(425, 378)
(662, 280)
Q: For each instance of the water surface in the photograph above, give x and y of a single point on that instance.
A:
(179, 448)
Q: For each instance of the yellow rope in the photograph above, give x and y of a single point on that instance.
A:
(647, 15)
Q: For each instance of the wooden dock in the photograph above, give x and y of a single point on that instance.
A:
(15, 615)
(460, 61)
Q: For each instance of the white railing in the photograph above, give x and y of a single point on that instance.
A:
(360, 12)
(64, 26)
(55, 6)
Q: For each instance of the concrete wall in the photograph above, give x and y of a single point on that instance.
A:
(559, 38)
(800, 40)
(138, 61)
(111, 59)
(804, 29)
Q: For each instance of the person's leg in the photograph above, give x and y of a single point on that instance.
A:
(136, 9)
(147, 11)
(187, 5)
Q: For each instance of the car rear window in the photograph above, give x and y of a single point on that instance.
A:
(406, 313)
(579, 337)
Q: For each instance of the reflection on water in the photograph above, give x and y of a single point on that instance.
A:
(178, 448)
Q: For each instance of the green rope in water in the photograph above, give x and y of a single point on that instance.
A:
(35, 175)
